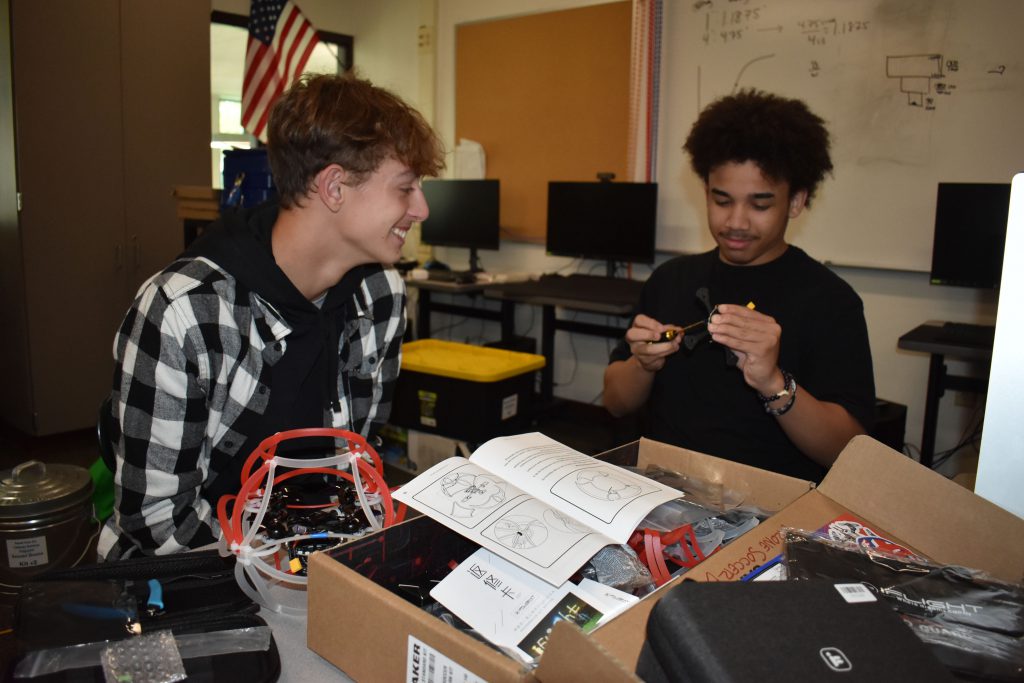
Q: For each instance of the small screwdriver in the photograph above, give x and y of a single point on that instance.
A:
(670, 334)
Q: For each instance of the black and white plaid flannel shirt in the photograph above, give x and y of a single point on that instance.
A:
(192, 368)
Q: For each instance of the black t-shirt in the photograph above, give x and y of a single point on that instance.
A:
(700, 402)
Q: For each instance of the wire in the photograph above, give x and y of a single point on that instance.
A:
(575, 359)
(573, 265)
(447, 329)
(533, 320)
(969, 437)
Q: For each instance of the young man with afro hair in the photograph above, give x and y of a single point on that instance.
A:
(780, 377)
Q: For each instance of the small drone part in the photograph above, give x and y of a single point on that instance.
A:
(276, 530)
(691, 341)
(311, 508)
(299, 552)
(667, 335)
(349, 525)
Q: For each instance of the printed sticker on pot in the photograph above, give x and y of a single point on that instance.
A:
(27, 552)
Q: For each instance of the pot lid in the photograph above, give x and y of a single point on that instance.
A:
(34, 487)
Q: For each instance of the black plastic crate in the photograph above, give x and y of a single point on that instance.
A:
(464, 392)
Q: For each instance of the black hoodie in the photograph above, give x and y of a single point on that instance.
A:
(304, 382)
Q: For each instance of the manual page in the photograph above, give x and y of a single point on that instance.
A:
(535, 502)
(515, 609)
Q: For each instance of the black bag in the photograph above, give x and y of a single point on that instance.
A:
(973, 623)
(78, 613)
(771, 631)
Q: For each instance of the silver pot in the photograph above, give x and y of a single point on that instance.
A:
(46, 521)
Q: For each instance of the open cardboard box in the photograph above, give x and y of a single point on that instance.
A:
(895, 496)
(372, 634)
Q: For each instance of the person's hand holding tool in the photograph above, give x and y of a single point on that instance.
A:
(652, 342)
(754, 337)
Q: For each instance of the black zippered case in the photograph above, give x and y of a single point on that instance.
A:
(186, 593)
(780, 631)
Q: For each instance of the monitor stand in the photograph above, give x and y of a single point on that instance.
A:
(474, 261)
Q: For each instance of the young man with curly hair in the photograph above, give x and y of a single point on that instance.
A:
(784, 384)
(279, 317)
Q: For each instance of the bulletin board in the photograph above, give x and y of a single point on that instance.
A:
(547, 96)
(914, 92)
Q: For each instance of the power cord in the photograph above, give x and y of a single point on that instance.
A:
(971, 436)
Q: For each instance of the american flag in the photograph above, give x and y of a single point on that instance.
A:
(280, 42)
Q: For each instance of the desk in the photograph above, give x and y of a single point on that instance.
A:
(426, 305)
(534, 293)
(930, 339)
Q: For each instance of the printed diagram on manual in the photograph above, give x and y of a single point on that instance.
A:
(535, 502)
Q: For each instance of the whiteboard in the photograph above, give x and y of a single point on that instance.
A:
(914, 92)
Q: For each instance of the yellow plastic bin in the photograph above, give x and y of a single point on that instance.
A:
(466, 392)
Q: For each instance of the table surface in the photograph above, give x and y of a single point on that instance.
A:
(299, 664)
(928, 338)
(447, 286)
(527, 292)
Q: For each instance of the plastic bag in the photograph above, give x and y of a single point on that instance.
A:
(973, 622)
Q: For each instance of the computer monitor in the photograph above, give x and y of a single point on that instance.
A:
(970, 232)
(603, 220)
(463, 213)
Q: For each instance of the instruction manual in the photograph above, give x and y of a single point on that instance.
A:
(514, 609)
(535, 502)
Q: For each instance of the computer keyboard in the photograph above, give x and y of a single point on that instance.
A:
(966, 334)
(441, 275)
(457, 276)
(612, 290)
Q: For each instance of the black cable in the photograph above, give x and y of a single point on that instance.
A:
(533, 320)
(970, 436)
(575, 359)
(910, 449)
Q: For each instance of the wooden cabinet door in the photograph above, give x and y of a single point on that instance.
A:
(68, 122)
(165, 62)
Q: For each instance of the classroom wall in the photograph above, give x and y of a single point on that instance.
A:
(894, 301)
(385, 35)
(388, 51)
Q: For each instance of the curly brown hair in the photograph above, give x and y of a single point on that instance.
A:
(344, 120)
(782, 136)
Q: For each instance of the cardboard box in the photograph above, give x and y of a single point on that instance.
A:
(891, 493)
(369, 632)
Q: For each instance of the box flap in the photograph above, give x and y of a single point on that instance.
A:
(572, 656)
(623, 456)
(351, 623)
(938, 517)
(763, 543)
(623, 636)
